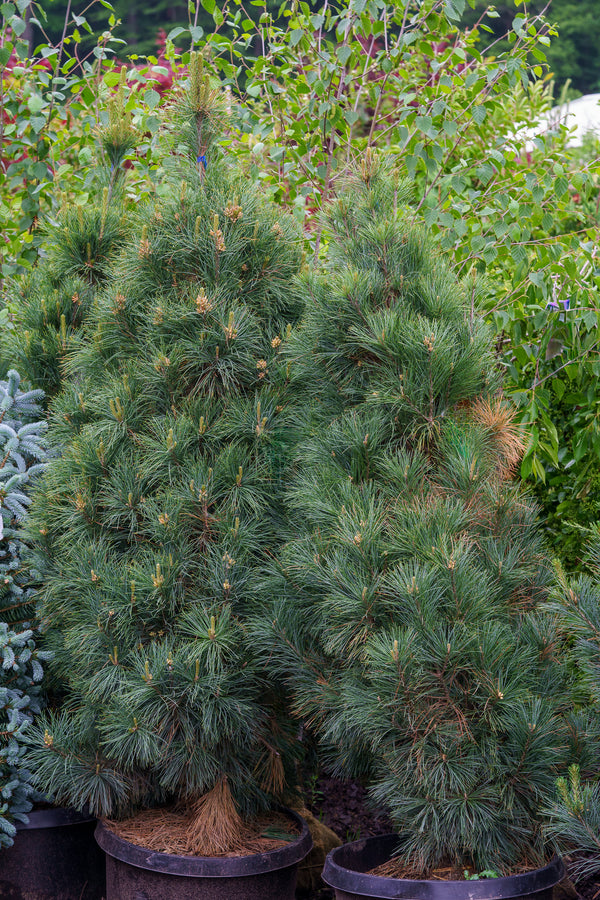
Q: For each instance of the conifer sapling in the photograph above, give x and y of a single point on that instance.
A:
(409, 626)
(574, 811)
(153, 526)
(22, 458)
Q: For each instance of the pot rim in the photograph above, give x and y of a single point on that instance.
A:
(55, 817)
(337, 875)
(207, 866)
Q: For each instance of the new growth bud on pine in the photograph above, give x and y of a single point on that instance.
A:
(202, 114)
(119, 135)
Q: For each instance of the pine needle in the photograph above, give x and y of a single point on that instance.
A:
(499, 421)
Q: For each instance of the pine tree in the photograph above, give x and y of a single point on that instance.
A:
(22, 458)
(575, 811)
(53, 303)
(152, 527)
(409, 627)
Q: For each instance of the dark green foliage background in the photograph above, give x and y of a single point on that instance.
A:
(573, 55)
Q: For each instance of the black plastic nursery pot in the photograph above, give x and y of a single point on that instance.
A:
(347, 866)
(133, 873)
(54, 857)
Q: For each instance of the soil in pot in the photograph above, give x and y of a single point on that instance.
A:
(138, 873)
(54, 857)
(395, 868)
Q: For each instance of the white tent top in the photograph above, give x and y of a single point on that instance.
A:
(581, 117)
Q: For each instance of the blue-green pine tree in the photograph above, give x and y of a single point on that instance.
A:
(152, 528)
(574, 812)
(405, 615)
(22, 458)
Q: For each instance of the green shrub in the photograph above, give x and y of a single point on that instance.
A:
(409, 625)
(152, 528)
(574, 811)
(51, 306)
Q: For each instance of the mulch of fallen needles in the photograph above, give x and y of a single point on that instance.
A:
(167, 831)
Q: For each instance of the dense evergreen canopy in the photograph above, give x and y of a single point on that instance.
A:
(409, 625)
(152, 526)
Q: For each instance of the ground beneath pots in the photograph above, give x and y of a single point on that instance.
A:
(587, 889)
(343, 807)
